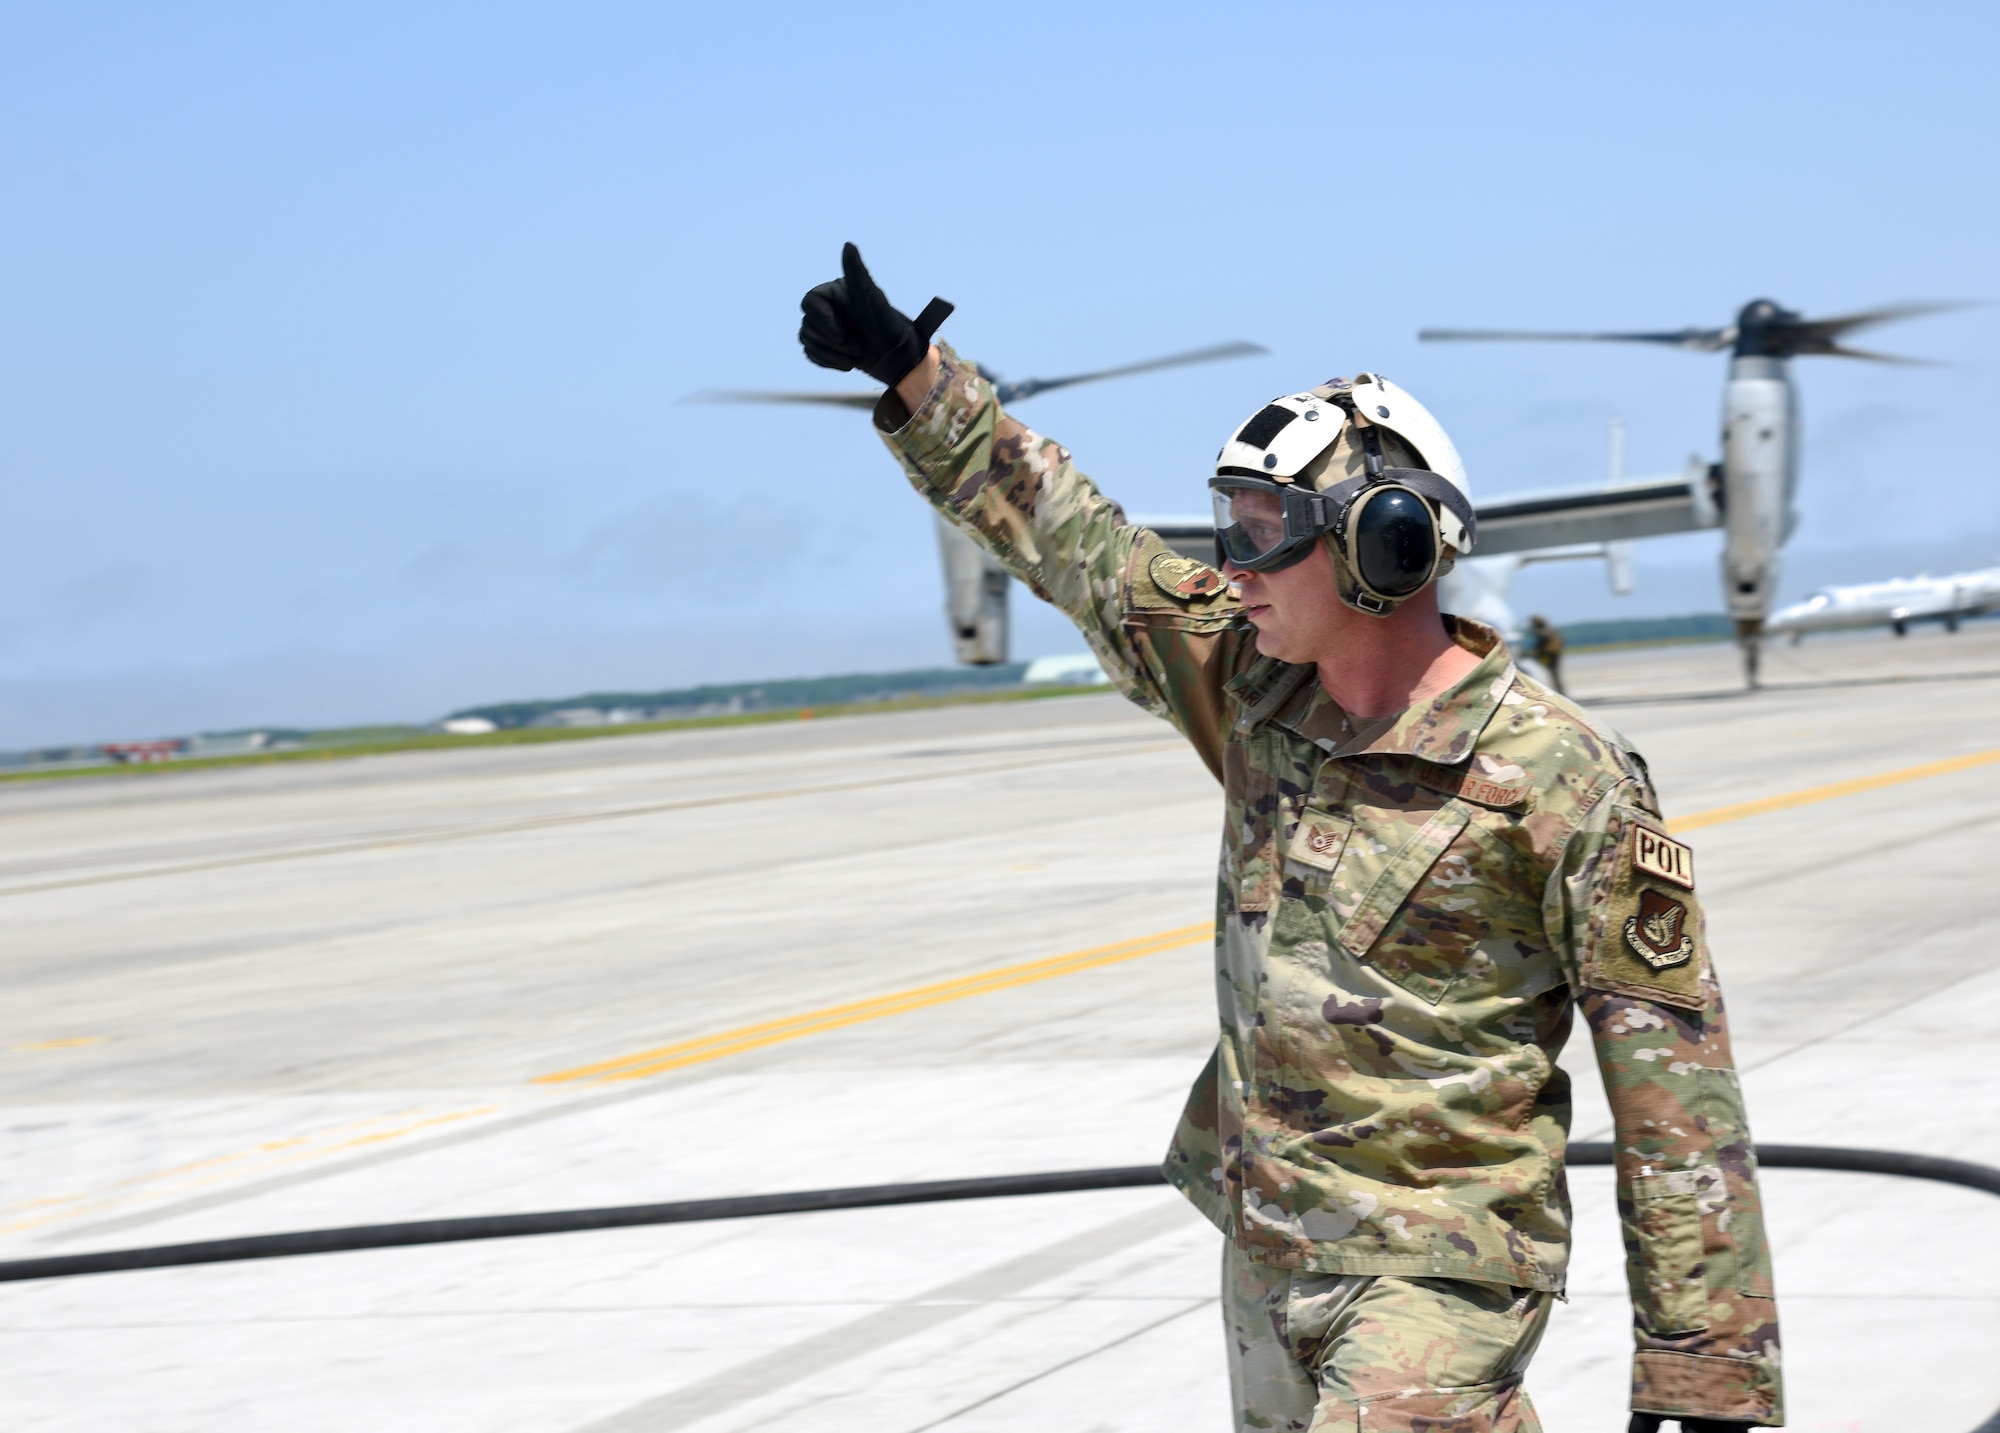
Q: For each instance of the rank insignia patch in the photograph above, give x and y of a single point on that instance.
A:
(1657, 856)
(1319, 840)
(1656, 931)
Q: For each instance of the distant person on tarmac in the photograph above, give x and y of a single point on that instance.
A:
(1429, 861)
(1545, 645)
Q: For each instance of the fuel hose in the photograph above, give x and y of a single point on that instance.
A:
(866, 1196)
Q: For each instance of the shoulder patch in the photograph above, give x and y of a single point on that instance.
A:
(1183, 577)
(1657, 930)
(1659, 855)
(1652, 939)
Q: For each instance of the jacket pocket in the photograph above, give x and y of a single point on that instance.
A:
(1385, 892)
(1669, 1287)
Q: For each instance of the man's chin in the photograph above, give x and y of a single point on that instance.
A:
(1273, 644)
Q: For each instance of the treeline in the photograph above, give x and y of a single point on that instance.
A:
(780, 695)
(1699, 627)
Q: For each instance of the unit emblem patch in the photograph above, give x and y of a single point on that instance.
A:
(1657, 856)
(1184, 577)
(1656, 931)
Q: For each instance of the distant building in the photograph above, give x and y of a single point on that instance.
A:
(467, 726)
(131, 753)
(228, 743)
(1078, 669)
(571, 716)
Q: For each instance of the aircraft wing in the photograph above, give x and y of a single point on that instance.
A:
(1649, 507)
(1529, 522)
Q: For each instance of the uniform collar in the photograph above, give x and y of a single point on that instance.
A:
(1444, 729)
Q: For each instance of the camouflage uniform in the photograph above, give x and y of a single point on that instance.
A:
(1403, 927)
(1377, 1351)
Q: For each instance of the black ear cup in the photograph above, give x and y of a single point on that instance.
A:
(1392, 541)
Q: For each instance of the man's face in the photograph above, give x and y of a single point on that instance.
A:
(1296, 610)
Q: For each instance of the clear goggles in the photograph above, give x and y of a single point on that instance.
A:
(1385, 530)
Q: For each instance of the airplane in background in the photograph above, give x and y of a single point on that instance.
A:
(1580, 524)
(1895, 604)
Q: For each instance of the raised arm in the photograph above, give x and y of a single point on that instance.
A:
(1165, 628)
(1705, 1317)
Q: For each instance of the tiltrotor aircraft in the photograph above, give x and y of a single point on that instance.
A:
(1752, 493)
(1512, 533)
(975, 585)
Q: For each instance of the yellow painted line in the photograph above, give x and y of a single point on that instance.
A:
(176, 1179)
(69, 1043)
(1832, 791)
(704, 1048)
(792, 1027)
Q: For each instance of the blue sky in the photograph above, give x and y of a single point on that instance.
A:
(340, 362)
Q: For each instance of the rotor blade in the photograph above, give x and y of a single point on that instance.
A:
(758, 395)
(1029, 387)
(1837, 350)
(1700, 340)
(1812, 330)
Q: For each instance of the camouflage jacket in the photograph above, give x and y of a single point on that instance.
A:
(1403, 929)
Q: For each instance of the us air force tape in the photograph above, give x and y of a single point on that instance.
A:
(1652, 940)
(1487, 782)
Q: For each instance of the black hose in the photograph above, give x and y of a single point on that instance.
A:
(866, 1196)
(569, 1221)
(808, 1201)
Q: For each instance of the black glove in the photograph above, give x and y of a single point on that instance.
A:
(1650, 1423)
(850, 323)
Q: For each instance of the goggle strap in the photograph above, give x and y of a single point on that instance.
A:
(1440, 490)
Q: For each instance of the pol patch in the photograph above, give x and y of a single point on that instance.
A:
(1654, 854)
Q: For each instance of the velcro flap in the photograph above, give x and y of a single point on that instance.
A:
(1652, 940)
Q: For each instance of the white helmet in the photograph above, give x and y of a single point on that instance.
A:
(1321, 455)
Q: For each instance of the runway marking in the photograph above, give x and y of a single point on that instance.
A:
(69, 1042)
(723, 1044)
(543, 823)
(173, 1179)
(751, 1037)
(1833, 790)
(704, 1048)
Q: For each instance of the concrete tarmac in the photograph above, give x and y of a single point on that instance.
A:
(907, 946)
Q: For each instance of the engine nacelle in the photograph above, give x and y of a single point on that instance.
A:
(975, 599)
(1759, 457)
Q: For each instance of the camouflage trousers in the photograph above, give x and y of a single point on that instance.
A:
(1377, 1352)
